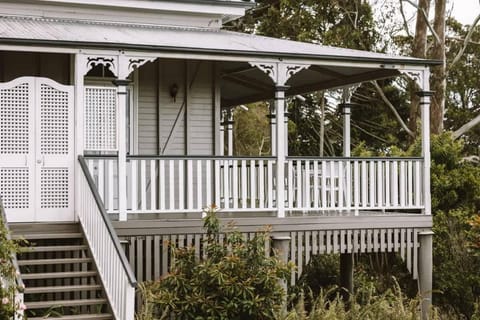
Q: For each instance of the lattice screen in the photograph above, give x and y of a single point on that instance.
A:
(14, 120)
(100, 119)
(54, 188)
(15, 187)
(53, 121)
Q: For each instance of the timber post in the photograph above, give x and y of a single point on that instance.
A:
(281, 245)
(425, 267)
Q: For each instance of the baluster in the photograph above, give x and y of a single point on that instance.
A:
(190, 184)
(333, 177)
(270, 183)
(110, 188)
(101, 178)
(402, 184)
(356, 184)
(299, 184)
(162, 185)
(218, 187)
(261, 185)
(253, 181)
(208, 178)
(235, 183)
(315, 184)
(199, 184)
(244, 183)
(171, 186)
(308, 188)
(418, 187)
(153, 184)
(324, 185)
(290, 184)
(387, 183)
(340, 166)
(181, 185)
(133, 167)
(395, 195)
(372, 183)
(410, 183)
(380, 184)
(143, 185)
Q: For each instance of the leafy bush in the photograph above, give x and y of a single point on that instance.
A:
(235, 280)
(365, 304)
(9, 306)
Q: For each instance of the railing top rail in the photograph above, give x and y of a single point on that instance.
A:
(3, 216)
(351, 158)
(178, 157)
(108, 224)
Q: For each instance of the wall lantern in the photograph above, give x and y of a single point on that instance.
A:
(174, 91)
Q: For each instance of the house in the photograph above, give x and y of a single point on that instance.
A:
(111, 143)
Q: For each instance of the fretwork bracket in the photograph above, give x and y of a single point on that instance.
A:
(110, 62)
(128, 64)
(420, 77)
(279, 72)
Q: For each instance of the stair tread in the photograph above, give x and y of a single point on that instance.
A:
(53, 261)
(72, 288)
(64, 303)
(57, 248)
(79, 317)
(50, 275)
(50, 235)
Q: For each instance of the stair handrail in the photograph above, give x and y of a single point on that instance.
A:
(108, 224)
(18, 278)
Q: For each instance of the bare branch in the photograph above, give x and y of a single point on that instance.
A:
(466, 127)
(390, 105)
(453, 38)
(425, 16)
(405, 21)
(465, 43)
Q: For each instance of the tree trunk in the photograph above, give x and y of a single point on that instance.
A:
(438, 80)
(419, 50)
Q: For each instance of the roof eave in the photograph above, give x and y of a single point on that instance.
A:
(387, 61)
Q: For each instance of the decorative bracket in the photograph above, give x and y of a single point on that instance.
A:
(110, 62)
(421, 77)
(129, 64)
(348, 92)
(279, 72)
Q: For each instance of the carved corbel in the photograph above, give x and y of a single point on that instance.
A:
(420, 77)
(279, 72)
(348, 91)
(129, 64)
(110, 62)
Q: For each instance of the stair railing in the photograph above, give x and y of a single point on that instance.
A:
(19, 285)
(112, 264)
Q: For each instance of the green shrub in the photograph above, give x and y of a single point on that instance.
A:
(9, 306)
(235, 280)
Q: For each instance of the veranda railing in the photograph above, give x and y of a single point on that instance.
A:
(112, 264)
(161, 184)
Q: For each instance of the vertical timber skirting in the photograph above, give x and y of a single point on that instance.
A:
(150, 255)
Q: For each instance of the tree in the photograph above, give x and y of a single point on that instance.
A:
(235, 280)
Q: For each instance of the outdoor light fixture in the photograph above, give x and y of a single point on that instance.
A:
(174, 91)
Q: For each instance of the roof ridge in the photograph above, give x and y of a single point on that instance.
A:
(106, 23)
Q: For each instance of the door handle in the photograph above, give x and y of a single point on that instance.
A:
(41, 161)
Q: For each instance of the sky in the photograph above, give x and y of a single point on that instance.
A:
(465, 11)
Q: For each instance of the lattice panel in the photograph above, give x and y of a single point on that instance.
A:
(100, 119)
(14, 120)
(15, 188)
(54, 121)
(54, 188)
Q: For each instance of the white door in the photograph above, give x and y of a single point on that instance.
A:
(36, 150)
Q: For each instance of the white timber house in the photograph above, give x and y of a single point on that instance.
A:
(113, 138)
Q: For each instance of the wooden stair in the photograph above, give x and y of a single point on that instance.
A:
(61, 280)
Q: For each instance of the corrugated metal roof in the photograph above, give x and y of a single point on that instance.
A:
(148, 37)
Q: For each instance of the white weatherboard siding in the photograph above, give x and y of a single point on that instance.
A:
(200, 109)
(172, 135)
(147, 110)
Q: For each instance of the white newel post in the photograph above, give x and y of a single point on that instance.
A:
(280, 177)
(425, 95)
(122, 147)
(79, 73)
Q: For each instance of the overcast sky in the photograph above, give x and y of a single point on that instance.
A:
(465, 10)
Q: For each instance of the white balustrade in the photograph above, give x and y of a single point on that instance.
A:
(188, 184)
(354, 184)
(110, 259)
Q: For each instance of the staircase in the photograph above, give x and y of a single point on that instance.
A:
(61, 280)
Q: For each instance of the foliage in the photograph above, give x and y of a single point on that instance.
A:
(365, 304)
(235, 280)
(9, 306)
(252, 131)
